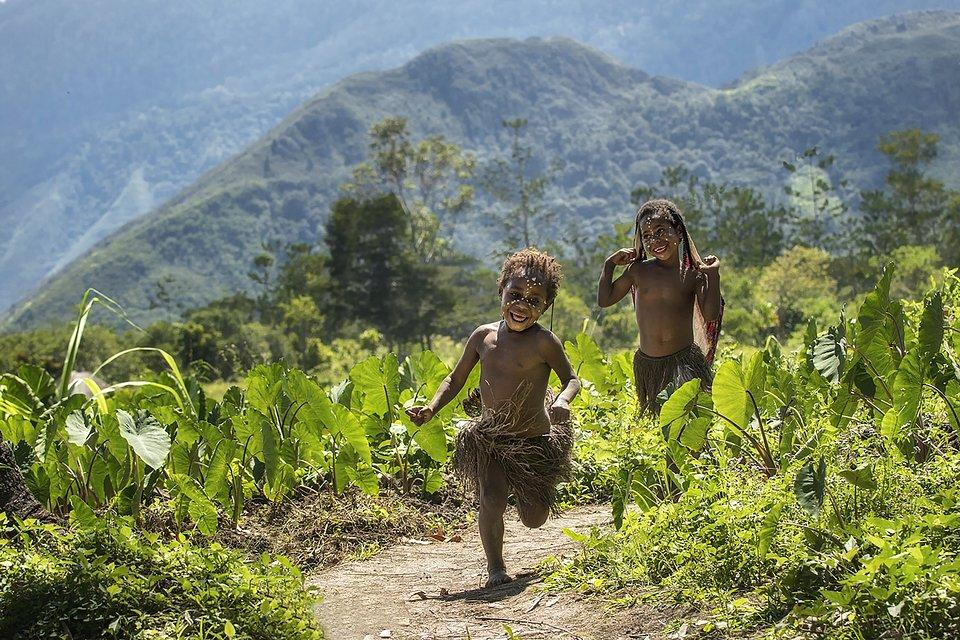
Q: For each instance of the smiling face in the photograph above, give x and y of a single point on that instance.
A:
(522, 302)
(660, 238)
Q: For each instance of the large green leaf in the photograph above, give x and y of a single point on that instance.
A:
(342, 421)
(150, 441)
(930, 332)
(430, 436)
(829, 354)
(694, 434)
(216, 483)
(768, 530)
(201, 509)
(78, 430)
(875, 327)
(587, 360)
(263, 386)
(17, 397)
(82, 515)
(320, 414)
(37, 380)
(364, 477)
(730, 394)
(379, 381)
(271, 449)
(309, 429)
(678, 407)
(755, 374)
(248, 430)
(422, 373)
(873, 309)
(907, 391)
(810, 486)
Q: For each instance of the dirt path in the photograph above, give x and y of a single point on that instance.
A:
(432, 591)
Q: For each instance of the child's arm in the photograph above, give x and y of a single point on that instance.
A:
(610, 291)
(557, 359)
(452, 384)
(708, 289)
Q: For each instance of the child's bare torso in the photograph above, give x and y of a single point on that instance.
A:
(513, 371)
(664, 307)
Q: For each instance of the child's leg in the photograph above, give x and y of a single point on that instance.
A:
(533, 514)
(493, 502)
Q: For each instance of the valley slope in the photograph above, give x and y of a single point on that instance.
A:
(611, 125)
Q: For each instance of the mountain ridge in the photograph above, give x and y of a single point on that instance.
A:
(620, 124)
(92, 92)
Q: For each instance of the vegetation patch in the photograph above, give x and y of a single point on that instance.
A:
(110, 582)
(317, 529)
(810, 494)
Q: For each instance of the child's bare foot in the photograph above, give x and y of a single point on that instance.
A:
(497, 578)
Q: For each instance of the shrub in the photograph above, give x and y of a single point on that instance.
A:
(108, 582)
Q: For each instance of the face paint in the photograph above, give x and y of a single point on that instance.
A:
(522, 302)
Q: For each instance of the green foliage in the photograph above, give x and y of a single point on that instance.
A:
(814, 490)
(281, 188)
(373, 276)
(519, 187)
(107, 581)
(915, 208)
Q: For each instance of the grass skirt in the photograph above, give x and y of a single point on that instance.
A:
(532, 466)
(654, 374)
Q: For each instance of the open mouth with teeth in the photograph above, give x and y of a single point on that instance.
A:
(658, 248)
(518, 317)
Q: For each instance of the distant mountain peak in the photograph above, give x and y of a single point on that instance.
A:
(613, 126)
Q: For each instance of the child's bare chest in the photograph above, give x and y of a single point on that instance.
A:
(664, 288)
(516, 355)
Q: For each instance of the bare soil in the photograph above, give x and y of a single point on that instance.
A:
(432, 588)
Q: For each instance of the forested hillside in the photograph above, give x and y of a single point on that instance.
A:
(612, 127)
(108, 108)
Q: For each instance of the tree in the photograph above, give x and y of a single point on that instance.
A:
(817, 215)
(798, 285)
(914, 208)
(515, 183)
(430, 179)
(375, 277)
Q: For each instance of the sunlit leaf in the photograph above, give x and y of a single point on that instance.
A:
(860, 476)
(586, 358)
(730, 394)
(829, 354)
(150, 441)
(379, 381)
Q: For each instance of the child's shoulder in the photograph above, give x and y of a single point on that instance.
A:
(483, 331)
(544, 336)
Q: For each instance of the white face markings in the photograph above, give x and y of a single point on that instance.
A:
(660, 238)
(522, 302)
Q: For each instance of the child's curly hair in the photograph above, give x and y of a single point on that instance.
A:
(533, 264)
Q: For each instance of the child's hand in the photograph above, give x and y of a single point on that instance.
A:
(710, 265)
(420, 414)
(622, 256)
(559, 412)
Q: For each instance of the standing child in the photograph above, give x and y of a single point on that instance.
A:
(519, 444)
(677, 299)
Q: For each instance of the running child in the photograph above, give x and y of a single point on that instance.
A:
(677, 299)
(522, 440)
